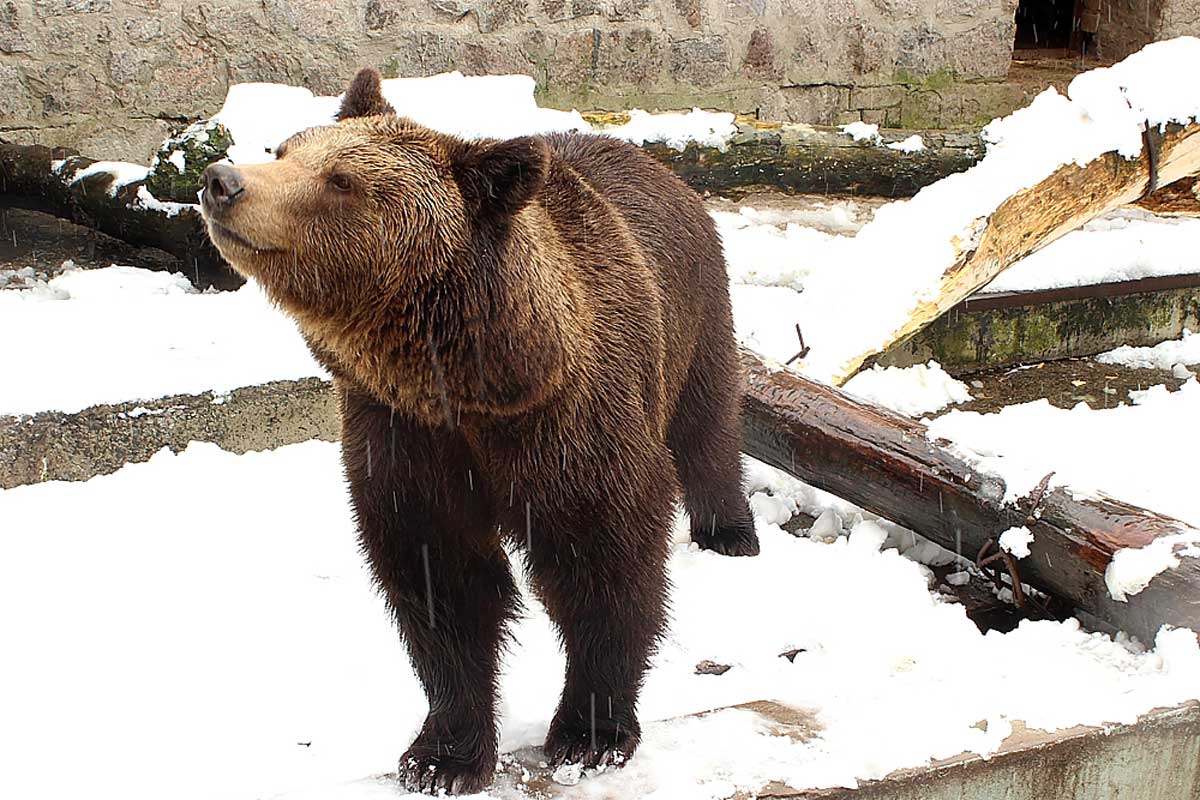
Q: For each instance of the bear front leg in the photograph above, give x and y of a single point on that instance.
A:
(428, 532)
(603, 582)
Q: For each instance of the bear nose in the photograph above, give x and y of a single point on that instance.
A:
(222, 185)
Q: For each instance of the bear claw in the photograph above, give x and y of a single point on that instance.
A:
(572, 745)
(431, 773)
(738, 539)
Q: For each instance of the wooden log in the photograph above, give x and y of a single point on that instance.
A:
(28, 180)
(1031, 219)
(1180, 199)
(806, 159)
(885, 463)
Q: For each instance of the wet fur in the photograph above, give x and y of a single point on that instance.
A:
(545, 364)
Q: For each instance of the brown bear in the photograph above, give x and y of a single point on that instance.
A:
(531, 344)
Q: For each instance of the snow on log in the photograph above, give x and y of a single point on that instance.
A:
(110, 197)
(809, 159)
(886, 464)
(1050, 167)
(1033, 218)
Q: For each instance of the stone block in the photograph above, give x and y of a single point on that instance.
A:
(419, 53)
(761, 61)
(746, 10)
(700, 61)
(876, 96)
(629, 58)
(626, 10)
(60, 8)
(13, 38)
(910, 8)
(984, 51)
(143, 29)
(493, 15)
(570, 64)
(16, 102)
(691, 11)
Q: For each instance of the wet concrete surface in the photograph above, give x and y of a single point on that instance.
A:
(1064, 383)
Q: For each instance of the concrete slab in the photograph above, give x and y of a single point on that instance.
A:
(1157, 758)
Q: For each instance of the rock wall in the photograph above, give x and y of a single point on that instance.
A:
(1127, 26)
(113, 76)
(1178, 18)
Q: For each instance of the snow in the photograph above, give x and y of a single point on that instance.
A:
(1116, 452)
(913, 391)
(897, 260)
(1165, 355)
(122, 171)
(705, 128)
(149, 201)
(1140, 453)
(179, 159)
(1016, 541)
(1132, 568)
(1124, 245)
(240, 651)
(120, 334)
(861, 131)
(261, 115)
(913, 144)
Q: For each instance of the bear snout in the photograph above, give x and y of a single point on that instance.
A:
(223, 185)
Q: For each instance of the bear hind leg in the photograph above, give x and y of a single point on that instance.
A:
(705, 440)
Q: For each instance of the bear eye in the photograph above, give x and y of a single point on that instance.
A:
(340, 181)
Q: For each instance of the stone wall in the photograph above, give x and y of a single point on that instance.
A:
(1127, 26)
(1178, 18)
(113, 76)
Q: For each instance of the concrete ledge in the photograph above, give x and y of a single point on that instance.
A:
(52, 446)
(1158, 758)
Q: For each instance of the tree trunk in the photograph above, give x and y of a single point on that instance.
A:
(885, 463)
(27, 180)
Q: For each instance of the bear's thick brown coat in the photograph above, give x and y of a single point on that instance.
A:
(531, 342)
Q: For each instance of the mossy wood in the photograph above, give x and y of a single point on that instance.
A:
(1035, 217)
(885, 463)
(805, 159)
(979, 334)
(28, 180)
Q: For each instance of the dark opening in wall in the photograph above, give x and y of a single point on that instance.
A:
(1047, 24)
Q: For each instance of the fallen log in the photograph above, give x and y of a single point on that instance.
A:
(807, 159)
(40, 179)
(1035, 217)
(885, 463)
(1180, 199)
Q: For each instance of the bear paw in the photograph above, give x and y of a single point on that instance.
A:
(735, 539)
(574, 744)
(432, 767)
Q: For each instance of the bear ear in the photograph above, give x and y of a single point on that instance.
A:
(499, 178)
(364, 96)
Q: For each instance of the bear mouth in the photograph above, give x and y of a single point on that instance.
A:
(219, 231)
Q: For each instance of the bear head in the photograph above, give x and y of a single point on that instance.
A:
(353, 213)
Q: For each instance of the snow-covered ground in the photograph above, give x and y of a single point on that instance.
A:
(202, 626)
(111, 335)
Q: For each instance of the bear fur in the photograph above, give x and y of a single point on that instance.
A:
(531, 344)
